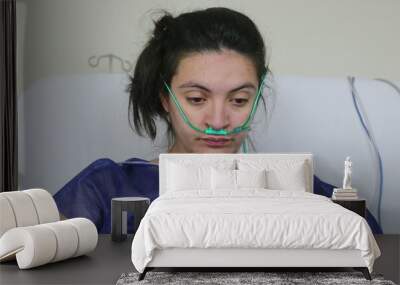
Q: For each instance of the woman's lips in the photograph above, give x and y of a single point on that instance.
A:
(216, 142)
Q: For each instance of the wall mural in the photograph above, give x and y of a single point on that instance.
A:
(68, 122)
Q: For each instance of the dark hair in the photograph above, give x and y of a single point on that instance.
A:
(211, 29)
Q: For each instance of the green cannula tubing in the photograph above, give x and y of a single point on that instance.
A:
(210, 130)
(245, 145)
(183, 115)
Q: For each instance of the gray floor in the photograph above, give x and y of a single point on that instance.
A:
(110, 260)
(389, 262)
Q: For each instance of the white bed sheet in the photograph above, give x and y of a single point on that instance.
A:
(250, 218)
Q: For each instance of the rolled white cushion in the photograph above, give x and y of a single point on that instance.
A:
(33, 245)
(67, 240)
(7, 218)
(23, 208)
(45, 205)
(87, 234)
(26, 208)
(45, 243)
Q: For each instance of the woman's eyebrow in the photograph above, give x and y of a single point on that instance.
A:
(191, 84)
(196, 85)
(243, 86)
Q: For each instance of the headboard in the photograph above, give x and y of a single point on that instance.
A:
(165, 158)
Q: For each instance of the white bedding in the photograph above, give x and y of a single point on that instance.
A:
(250, 218)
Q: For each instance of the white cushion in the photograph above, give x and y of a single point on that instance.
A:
(45, 206)
(32, 246)
(184, 178)
(227, 179)
(40, 244)
(23, 208)
(66, 237)
(287, 179)
(284, 174)
(223, 179)
(87, 233)
(188, 175)
(26, 208)
(7, 218)
(251, 178)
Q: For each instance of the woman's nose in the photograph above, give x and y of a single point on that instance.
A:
(218, 118)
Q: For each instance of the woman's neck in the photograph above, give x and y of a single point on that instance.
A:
(173, 149)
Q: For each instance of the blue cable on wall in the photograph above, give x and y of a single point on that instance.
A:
(391, 84)
(356, 100)
(369, 134)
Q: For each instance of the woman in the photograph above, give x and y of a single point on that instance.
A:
(201, 73)
(212, 60)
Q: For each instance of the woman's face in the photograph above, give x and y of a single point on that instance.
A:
(215, 89)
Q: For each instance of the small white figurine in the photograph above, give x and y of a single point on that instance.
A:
(347, 174)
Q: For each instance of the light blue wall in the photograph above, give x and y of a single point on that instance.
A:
(69, 121)
(318, 115)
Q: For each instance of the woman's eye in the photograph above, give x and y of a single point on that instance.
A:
(240, 101)
(195, 100)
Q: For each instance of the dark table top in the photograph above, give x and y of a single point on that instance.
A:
(110, 259)
(104, 265)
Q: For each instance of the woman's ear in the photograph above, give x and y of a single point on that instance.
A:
(164, 101)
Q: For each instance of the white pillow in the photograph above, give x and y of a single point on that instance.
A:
(184, 178)
(290, 179)
(223, 179)
(251, 178)
(282, 174)
(235, 179)
(189, 175)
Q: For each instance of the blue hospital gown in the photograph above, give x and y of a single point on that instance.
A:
(89, 193)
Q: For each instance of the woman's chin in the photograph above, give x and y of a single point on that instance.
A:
(212, 149)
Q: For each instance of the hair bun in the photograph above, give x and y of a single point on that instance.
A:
(162, 25)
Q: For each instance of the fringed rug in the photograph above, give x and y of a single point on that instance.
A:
(243, 278)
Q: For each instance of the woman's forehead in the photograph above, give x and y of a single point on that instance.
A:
(212, 69)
